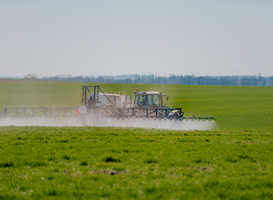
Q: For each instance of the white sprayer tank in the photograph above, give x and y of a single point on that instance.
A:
(110, 99)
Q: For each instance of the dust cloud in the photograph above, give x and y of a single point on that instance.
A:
(40, 121)
(110, 122)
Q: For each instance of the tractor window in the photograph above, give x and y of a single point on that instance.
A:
(150, 99)
(136, 100)
(149, 102)
(139, 100)
(156, 100)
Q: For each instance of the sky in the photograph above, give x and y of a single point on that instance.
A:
(197, 37)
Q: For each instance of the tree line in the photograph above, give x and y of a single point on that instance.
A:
(172, 79)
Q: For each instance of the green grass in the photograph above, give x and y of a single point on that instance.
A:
(232, 162)
(71, 163)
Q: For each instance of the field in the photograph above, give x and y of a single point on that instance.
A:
(234, 161)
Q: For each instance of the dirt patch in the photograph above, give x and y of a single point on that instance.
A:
(108, 172)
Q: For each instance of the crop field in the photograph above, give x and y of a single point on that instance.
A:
(234, 161)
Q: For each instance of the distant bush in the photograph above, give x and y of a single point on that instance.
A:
(31, 76)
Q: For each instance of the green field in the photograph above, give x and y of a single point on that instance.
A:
(234, 161)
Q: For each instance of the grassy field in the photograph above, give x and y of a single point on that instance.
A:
(233, 161)
(120, 163)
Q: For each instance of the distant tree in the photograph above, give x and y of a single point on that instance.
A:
(172, 79)
(31, 76)
(270, 82)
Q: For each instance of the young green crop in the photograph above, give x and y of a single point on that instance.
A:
(131, 163)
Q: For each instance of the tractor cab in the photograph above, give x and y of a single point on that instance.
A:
(148, 99)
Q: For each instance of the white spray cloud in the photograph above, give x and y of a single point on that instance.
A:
(106, 122)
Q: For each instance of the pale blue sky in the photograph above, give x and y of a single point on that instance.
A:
(200, 37)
